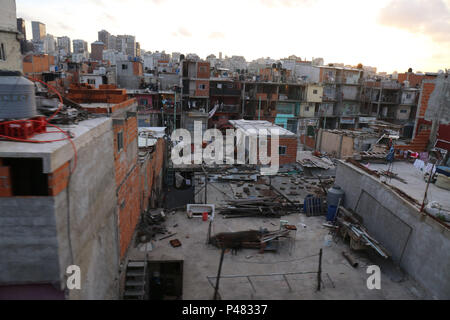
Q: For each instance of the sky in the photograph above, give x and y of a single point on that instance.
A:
(392, 35)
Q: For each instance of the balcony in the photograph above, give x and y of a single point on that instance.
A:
(229, 108)
(225, 92)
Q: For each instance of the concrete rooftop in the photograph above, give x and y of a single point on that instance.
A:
(55, 154)
(416, 185)
(340, 280)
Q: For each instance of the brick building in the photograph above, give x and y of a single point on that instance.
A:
(288, 142)
(84, 215)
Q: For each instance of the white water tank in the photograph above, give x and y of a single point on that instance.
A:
(17, 99)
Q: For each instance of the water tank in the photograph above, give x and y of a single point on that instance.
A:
(17, 99)
(334, 195)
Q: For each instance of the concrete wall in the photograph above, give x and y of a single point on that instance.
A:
(350, 92)
(28, 241)
(417, 243)
(93, 220)
(41, 236)
(13, 60)
(314, 97)
(307, 110)
(8, 15)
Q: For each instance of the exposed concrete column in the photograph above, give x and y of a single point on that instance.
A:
(379, 103)
(341, 139)
(419, 105)
(243, 101)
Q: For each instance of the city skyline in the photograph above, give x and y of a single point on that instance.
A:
(390, 34)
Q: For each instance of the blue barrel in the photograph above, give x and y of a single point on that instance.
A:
(332, 210)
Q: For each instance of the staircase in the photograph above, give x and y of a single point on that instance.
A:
(135, 282)
(419, 143)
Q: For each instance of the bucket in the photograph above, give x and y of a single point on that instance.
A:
(205, 216)
(331, 215)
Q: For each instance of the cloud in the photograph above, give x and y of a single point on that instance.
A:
(182, 32)
(216, 35)
(65, 27)
(428, 17)
(287, 3)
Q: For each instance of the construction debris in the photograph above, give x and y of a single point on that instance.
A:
(308, 160)
(248, 239)
(359, 237)
(150, 226)
(274, 207)
(175, 243)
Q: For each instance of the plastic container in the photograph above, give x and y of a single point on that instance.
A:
(331, 215)
(334, 195)
(17, 98)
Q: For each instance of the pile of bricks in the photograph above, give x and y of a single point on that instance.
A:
(419, 144)
(105, 94)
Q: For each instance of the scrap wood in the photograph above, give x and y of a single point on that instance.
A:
(358, 233)
(168, 236)
(393, 175)
(360, 166)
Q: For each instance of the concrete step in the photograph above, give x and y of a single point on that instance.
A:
(134, 293)
(136, 264)
(135, 273)
(134, 283)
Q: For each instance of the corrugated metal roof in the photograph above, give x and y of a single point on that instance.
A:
(252, 126)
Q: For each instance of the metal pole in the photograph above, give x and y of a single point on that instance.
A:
(206, 188)
(175, 112)
(426, 190)
(259, 113)
(319, 273)
(216, 290)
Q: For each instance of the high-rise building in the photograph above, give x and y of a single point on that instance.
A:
(120, 44)
(111, 42)
(39, 30)
(97, 49)
(138, 49)
(64, 46)
(126, 44)
(103, 36)
(80, 48)
(21, 29)
(49, 44)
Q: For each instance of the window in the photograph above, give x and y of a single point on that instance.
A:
(283, 150)
(403, 111)
(306, 108)
(124, 67)
(202, 86)
(2, 52)
(91, 81)
(120, 141)
(314, 91)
